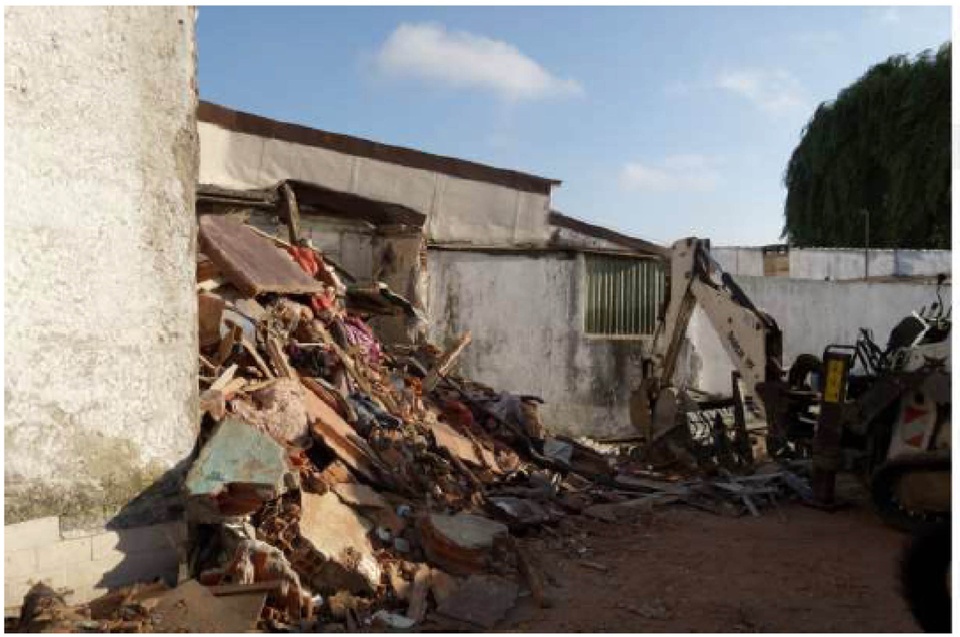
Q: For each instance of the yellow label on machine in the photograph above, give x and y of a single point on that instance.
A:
(833, 387)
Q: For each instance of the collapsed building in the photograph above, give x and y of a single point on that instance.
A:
(476, 248)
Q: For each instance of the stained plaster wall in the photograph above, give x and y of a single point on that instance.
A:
(100, 314)
(526, 315)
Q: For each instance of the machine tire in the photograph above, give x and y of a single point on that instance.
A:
(883, 486)
(924, 577)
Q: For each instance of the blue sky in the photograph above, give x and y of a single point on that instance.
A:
(661, 122)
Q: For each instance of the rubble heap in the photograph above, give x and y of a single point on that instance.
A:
(343, 484)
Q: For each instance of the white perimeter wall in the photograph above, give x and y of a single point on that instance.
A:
(812, 315)
(837, 264)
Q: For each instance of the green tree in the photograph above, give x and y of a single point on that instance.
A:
(882, 146)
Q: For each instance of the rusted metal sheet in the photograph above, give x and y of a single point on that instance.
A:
(250, 262)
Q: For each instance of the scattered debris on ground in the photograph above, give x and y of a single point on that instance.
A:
(345, 485)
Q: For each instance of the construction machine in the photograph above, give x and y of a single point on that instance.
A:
(882, 411)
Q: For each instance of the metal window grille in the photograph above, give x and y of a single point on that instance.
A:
(623, 295)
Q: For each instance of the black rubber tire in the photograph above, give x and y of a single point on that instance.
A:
(882, 488)
(924, 573)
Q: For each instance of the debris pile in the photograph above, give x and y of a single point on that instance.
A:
(342, 484)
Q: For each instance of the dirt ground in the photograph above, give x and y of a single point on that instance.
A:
(794, 569)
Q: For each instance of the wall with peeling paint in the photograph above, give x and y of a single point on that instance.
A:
(526, 315)
(100, 361)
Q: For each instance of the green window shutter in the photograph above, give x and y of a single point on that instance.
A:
(623, 295)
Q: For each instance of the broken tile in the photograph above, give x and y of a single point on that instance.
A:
(238, 470)
(460, 543)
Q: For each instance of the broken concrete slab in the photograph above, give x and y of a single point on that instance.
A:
(481, 600)
(371, 504)
(460, 543)
(250, 262)
(238, 470)
(338, 535)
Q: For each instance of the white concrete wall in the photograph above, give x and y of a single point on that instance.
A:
(100, 315)
(812, 315)
(739, 261)
(848, 263)
(526, 315)
(457, 210)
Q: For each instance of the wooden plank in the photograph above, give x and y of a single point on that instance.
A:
(234, 336)
(251, 262)
(279, 359)
(445, 364)
(293, 213)
(210, 310)
(224, 379)
(255, 355)
(222, 590)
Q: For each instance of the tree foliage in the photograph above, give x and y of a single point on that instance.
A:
(882, 146)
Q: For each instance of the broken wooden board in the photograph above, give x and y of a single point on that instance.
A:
(192, 608)
(210, 309)
(342, 439)
(445, 364)
(448, 438)
(253, 264)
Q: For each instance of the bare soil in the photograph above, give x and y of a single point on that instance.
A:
(794, 569)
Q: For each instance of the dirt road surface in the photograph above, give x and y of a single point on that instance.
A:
(677, 570)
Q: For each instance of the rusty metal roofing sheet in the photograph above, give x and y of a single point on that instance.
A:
(251, 262)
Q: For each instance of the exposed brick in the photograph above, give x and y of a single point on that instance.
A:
(31, 534)
(16, 563)
(64, 553)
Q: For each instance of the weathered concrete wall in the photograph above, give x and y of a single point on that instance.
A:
(457, 209)
(526, 315)
(100, 313)
(812, 315)
(739, 261)
(839, 264)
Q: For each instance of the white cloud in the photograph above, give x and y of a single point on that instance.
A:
(671, 174)
(464, 60)
(774, 91)
(889, 15)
